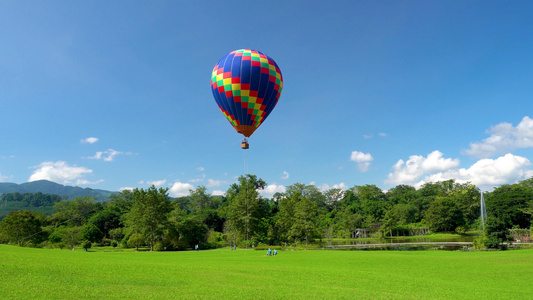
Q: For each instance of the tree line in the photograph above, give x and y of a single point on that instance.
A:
(301, 214)
(32, 199)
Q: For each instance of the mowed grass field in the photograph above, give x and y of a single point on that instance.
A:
(27, 273)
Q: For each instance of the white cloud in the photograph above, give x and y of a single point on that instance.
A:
(324, 187)
(285, 175)
(89, 140)
(157, 182)
(363, 160)
(485, 173)
(201, 169)
(126, 188)
(271, 189)
(214, 183)
(3, 177)
(180, 189)
(416, 166)
(108, 155)
(59, 172)
(504, 137)
(87, 182)
(218, 193)
(369, 136)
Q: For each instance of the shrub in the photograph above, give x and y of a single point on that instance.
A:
(496, 233)
(136, 240)
(86, 245)
(159, 246)
(61, 245)
(478, 243)
(114, 244)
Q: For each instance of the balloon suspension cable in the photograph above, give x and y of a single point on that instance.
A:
(246, 192)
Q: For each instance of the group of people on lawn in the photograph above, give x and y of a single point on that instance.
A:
(269, 252)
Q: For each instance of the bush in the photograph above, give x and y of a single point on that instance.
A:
(478, 243)
(461, 229)
(181, 245)
(159, 246)
(124, 241)
(496, 233)
(105, 242)
(86, 245)
(61, 245)
(136, 240)
(114, 244)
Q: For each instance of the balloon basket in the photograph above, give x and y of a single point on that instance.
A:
(244, 144)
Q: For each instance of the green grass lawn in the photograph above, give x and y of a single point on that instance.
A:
(319, 274)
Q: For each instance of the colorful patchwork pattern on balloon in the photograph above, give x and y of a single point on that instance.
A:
(246, 85)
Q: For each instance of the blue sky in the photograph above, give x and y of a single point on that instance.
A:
(116, 94)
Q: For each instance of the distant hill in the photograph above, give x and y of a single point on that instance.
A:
(49, 187)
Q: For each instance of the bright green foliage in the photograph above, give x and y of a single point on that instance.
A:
(373, 202)
(30, 273)
(91, 233)
(106, 220)
(21, 227)
(136, 240)
(37, 202)
(245, 207)
(304, 219)
(75, 212)
(148, 215)
(510, 204)
(86, 245)
(70, 235)
(192, 231)
(444, 215)
(496, 233)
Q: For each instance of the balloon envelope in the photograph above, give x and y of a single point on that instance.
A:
(246, 85)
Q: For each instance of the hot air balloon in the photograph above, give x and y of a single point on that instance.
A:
(246, 85)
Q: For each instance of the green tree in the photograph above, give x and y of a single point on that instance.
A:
(398, 215)
(20, 227)
(201, 200)
(347, 221)
(71, 236)
(310, 191)
(372, 201)
(496, 233)
(86, 245)
(401, 194)
(91, 233)
(245, 206)
(333, 198)
(148, 215)
(136, 240)
(121, 202)
(285, 216)
(444, 215)
(192, 231)
(511, 202)
(106, 220)
(75, 212)
(305, 213)
(117, 234)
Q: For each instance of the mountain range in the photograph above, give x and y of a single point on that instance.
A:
(49, 187)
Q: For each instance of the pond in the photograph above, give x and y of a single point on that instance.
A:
(441, 242)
